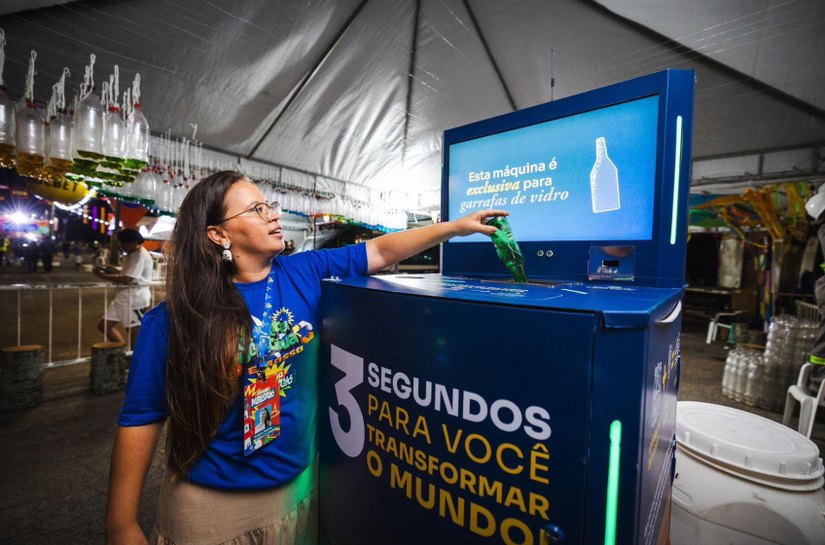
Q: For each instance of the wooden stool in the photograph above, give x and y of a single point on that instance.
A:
(108, 370)
(21, 377)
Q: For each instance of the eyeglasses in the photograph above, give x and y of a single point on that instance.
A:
(267, 211)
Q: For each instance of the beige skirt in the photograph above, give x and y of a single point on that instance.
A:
(189, 514)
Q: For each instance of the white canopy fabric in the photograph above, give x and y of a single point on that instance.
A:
(361, 91)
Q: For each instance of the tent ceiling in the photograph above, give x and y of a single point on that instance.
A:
(780, 43)
(13, 6)
(362, 90)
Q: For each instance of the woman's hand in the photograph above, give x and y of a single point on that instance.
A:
(128, 535)
(474, 223)
(385, 250)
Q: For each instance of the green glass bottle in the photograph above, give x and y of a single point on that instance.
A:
(507, 248)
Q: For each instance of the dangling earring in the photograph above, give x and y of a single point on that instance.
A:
(226, 255)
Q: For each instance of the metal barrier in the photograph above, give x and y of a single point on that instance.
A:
(9, 293)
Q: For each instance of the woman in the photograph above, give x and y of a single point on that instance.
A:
(229, 302)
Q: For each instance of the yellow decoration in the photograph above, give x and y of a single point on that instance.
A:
(60, 190)
(778, 209)
(761, 202)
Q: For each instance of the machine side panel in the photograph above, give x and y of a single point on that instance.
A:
(659, 431)
(445, 421)
(635, 379)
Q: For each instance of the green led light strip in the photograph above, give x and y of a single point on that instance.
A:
(613, 483)
(676, 168)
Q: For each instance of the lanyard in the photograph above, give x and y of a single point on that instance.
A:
(261, 333)
(262, 403)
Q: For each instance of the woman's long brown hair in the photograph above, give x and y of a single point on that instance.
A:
(207, 316)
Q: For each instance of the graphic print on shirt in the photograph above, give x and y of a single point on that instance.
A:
(287, 339)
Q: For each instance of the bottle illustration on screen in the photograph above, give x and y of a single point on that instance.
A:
(604, 181)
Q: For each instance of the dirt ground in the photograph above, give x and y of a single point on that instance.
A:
(54, 458)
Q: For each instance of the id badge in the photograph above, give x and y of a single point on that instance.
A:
(262, 412)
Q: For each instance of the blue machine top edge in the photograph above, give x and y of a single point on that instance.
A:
(618, 306)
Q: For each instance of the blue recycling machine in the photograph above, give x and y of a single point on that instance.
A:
(462, 407)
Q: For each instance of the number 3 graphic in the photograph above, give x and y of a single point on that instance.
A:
(350, 442)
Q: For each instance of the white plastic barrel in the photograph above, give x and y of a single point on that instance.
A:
(742, 479)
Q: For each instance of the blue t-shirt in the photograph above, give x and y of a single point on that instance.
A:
(296, 296)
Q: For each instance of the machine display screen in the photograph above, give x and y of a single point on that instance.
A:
(589, 176)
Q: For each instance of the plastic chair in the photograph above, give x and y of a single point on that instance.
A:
(807, 311)
(808, 404)
(714, 325)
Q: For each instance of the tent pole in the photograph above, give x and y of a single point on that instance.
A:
(410, 74)
(308, 76)
(490, 55)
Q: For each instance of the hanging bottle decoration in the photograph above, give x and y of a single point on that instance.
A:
(88, 128)
(30, 133)
(54, 184)
(6, 113)
(114, 132)
(103, 171)
(127, 176)
(71, 112)
(61, 134)
(137, 150)
(40, 172)
(137, 134)
(166, 172)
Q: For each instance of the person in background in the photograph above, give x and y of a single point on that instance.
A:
(5, 246)
(77, 252)
(65, 246)
(47, 250)
(816, 209)
(228, 299)
(32, 254)
(130, 303)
